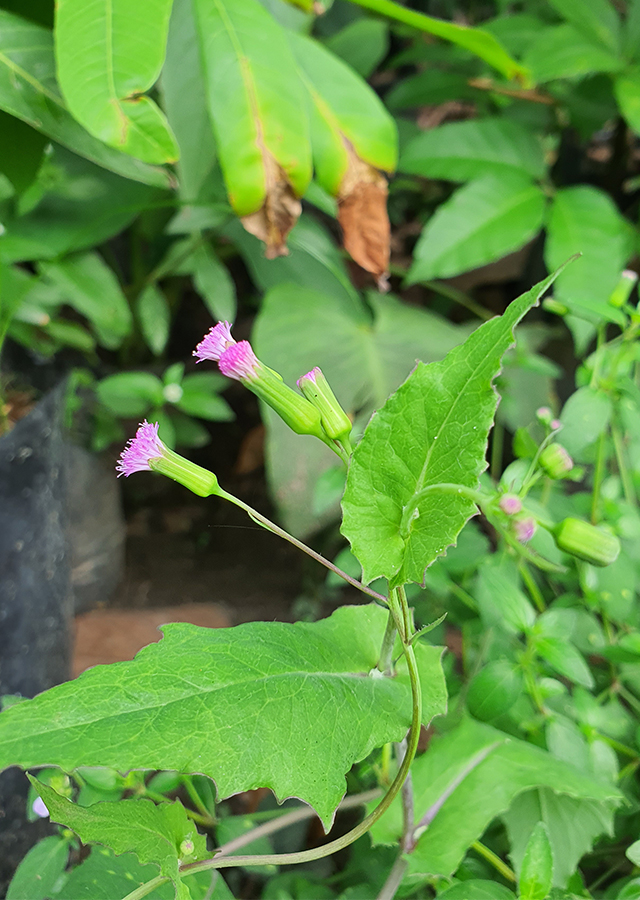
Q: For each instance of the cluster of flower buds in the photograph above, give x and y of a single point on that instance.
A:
(315, 411)
(522, 525)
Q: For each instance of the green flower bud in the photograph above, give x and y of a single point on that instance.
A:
(554, 306)
(316, 389)
(623, 288)
(555, 461)
(587, 542)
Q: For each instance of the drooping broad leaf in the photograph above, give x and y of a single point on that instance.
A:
(255, 101)
(185, 103)
(574, 821)
(109, 53)
(473, 774)
(343, 106)
(482, 222)
(460, 151)
(153, 832)
(90, 286)
(28, 90)
(363, 360)
(585, 220)
(212, 700)
(433, 430)
(561, 51)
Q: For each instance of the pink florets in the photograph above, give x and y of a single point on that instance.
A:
(240, 362)
(310, 376)
(215, 342)
(524, 529)
(510, 504)
(140, 450)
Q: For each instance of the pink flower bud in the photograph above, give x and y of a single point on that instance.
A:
(544, 414)
(240, 362)
(510, 504)
(215, 342)
(524, 529)
(555, 424)
(140, 450)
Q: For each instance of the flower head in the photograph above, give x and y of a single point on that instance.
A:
(310, 376)
(140, 450)
(240, 362)
(317, 390)
(524, 529)
(215, 342)
(510, 504)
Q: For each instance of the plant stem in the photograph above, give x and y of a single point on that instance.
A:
(625, 475)
(287, 859)
(271, 526)
(532, 587)
(451, 293)
(290, 818)
(385, 663)
(495, 861)
(598, 475)
(394, 879)
(146, 888)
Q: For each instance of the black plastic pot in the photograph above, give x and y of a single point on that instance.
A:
(36, 601)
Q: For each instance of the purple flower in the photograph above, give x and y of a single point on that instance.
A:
(524, 529)
(555, 425)
(240, 362)
(140, 450)
(310, 376)
(215, 342)
(39, 808)
(510, 504)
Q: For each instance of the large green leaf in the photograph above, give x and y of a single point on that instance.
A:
(41, 868)
(343, 108)
(433, 430)
(184, 101)
(90, 286)
(461, 151)
(364, 361)
(105, 876)
(212, 700)
(83, 206)
(29, 91)
(109, 53)
(482, 222)
(255, 100)
(574, 822)
(596, 19)
(585, 220)
(155, 833)
(470, 776)
(561, 51)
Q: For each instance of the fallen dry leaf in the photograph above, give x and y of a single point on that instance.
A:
(279, 212)
(362, 213)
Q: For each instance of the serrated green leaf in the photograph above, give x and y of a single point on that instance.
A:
(342, 108)
(214, 283)
(585, 220)
(153, 832)
(573, 819)
(460, 151)
(130, 393)
(184, 101)
(152, 311)
(433, 430)
(90, 286)
(536, 872)
(473, 774)
(255, 100)
(363, 360)
(483, 221)
(28, 90)
(105, 876)
(109, 53)
(37, 875)
(210, 700)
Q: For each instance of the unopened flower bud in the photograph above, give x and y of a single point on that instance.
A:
(623, 288)
(316, 389)
(146, 453)
(524, 528)
(186, 847)
(555, 424)
(554, 306)
(555, 461)
(544, 415)
(510, 504)
(586, 541)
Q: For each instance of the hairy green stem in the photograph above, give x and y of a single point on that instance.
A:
(598, 476)
(625, 475)
(385, 663)
(271, 526)
(287, 859)
(394, 878)
(532, 587)
(146, 888)
(494, 860)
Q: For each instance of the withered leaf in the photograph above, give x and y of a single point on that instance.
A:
(279, 212)
(362, 213)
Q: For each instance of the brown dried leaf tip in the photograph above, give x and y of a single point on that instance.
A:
(362, 213)
(278, 214)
